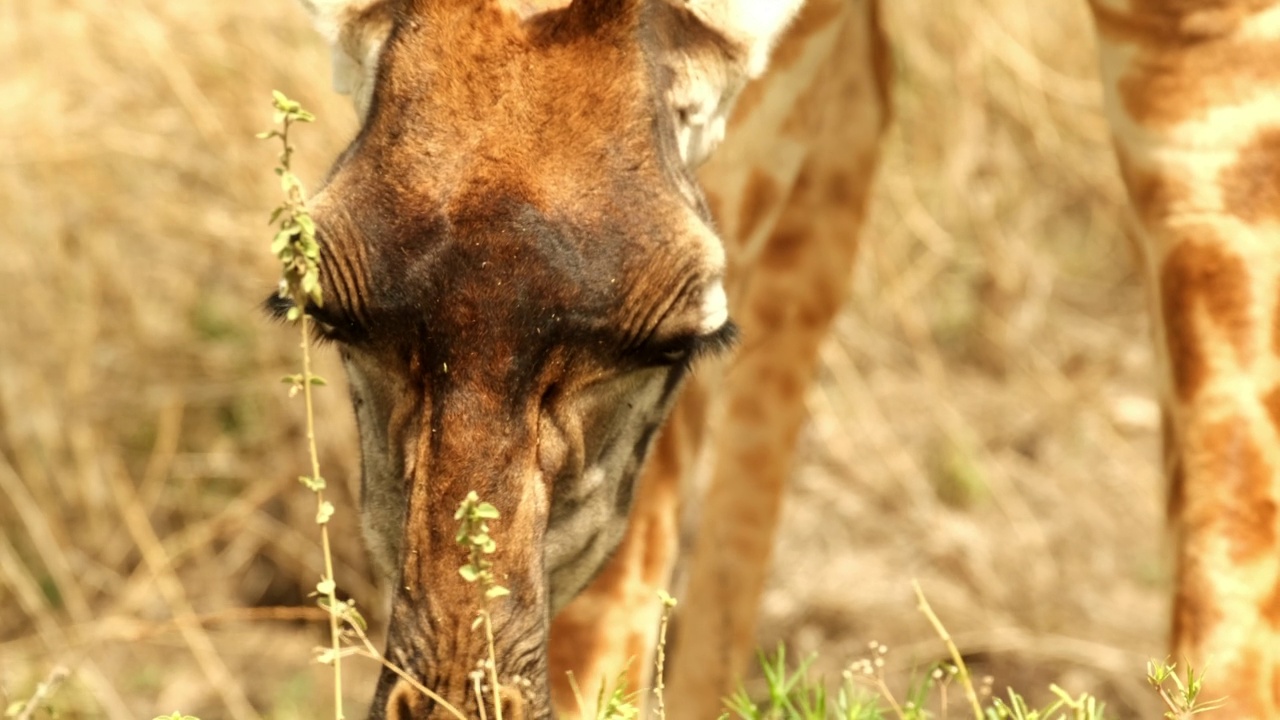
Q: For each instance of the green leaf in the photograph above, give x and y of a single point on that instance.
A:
(310, 282)
(324, 513)
(307, 224)
(284, 236)
(290, 182)
(313, 484)
(485, 511)
(469, 573)
(326, 587)
(353, 615)
(317, 380)
(17, 706)
(496, 591)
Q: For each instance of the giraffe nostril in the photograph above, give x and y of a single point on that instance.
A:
(512, 703)
(400, 703)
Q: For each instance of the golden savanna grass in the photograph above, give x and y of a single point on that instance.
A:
(983, 419)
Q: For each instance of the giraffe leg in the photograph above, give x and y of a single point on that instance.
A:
(1191, 90)
(786, 298)
(610, 629)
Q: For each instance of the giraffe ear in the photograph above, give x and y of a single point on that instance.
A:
(713, 48)
(356, 30)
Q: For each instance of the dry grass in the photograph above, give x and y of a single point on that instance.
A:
(983, 421)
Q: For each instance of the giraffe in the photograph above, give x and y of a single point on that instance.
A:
(519, 273)
(1195, 133)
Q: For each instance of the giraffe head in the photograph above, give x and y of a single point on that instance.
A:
(518, 271)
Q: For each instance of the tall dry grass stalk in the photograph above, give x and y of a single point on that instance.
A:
(983, 418)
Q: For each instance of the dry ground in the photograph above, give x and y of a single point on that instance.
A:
(983, 421)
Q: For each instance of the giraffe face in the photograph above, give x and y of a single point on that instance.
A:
(518, 271)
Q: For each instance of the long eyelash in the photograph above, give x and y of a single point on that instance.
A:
(276, 307)
(692, 349)
(340, 330)
(319, 335)
(722, 340)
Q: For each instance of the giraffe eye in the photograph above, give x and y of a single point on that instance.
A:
(685, 350)
(677, 356)
(321, 323)
(333, 324)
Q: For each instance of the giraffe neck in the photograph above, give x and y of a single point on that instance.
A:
(1197, 126)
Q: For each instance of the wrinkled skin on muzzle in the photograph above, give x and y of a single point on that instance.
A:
(560, 469)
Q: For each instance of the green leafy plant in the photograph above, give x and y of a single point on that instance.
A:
(616, 703)
(26, 709)
(1180, 695)
(296, 247)
(473, 518)
(865, 693)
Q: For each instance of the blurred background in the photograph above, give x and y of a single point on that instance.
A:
(984, 420)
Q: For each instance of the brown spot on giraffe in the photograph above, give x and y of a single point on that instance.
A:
(784, 250)
(1161, 22)
(881, 63)
(1275, 325)
(1195, 610)
(1193, 57)
(746, 406)
(1251, 187)
(1271, 401)
(1173, 468)
(1244, 686)
(766, 313)
(760, 197)
(1199, 273)
(1235, 471)
(1271, 607)
(781, 382)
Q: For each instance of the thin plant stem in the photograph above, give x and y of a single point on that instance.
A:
(577, 693)
(335, 634)
(296, 247)
(887, 694)
(962, 672)
(659, 693)
(43, 692)
(493, 666)
(476, 681)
